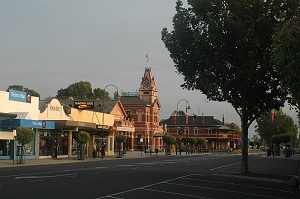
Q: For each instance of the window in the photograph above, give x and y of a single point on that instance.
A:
(139, 115)
(186, 130)
(196, 131)
(209, 131)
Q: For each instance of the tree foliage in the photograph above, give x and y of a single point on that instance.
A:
(121, 139)
(83, 137)
(286, 58)
(222, 48)
(24, 89)
(81, 91)
(282, 125)
(281, 138)
(169, 139)
(192, 141)
(201, 141)
(24, 135)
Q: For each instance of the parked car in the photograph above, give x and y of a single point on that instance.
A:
(263, 148)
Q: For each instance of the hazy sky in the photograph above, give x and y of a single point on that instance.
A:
(48, 45)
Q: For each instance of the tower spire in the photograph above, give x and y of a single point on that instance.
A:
(147, 57)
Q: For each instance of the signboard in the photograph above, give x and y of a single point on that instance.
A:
(129, 129)
(84, 104)
(140, 140)
(69, 128)
(19, 96)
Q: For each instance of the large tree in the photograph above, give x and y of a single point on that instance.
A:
(82, 90)
(21, 88)
(281, 124)
(286, 58)
(222, 48)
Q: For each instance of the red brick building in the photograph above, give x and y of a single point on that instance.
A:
(143, 108)
(218, 135)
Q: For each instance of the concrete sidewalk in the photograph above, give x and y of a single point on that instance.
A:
(62, 160)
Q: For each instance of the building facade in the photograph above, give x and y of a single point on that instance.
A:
(144, 109)
(217, 135)
(20, 109)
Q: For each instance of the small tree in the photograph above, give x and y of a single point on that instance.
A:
(121, 139)
(24, 136)
(201, 141)
(83, 138)
(169, 140)
(192, 141)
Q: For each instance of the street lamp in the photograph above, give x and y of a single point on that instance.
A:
(146, 137)
(103, 107)
(186, 121)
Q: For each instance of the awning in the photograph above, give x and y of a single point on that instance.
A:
(7, 116)
(80, 125)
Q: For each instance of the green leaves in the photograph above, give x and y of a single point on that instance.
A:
(24, 135)
(169, 139)
(121, 138)
(81, 91)
(286, 58)
(83, 137)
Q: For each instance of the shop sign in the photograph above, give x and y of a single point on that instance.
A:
(129, 129)
(69, 128)
(84, 104)
(19, 96)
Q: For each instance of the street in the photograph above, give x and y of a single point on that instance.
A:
(194, 176)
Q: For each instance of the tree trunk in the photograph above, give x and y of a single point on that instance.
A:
(22, 155)
(244, 164)
(82, 151)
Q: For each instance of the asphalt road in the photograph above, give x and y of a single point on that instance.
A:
(204, 176)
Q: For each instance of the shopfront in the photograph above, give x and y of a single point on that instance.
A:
(31, 150)
(66, 136)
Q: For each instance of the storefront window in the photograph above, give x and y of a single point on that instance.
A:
(29, 148)
(62, 143)
(5, 148)
(45, 143)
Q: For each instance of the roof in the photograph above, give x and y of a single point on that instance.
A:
(98, 104)
(132, 100)
(196, 121)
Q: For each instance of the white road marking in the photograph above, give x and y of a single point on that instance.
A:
(225, 166)
(141, 188)
(224, 190)
(54, 176)
(125, 165)
(146, 163)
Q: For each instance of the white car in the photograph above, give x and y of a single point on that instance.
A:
(263, 148)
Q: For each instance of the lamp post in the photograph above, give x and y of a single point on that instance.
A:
(14, 151)
(103, 107)
(187, 106)
(146, 137)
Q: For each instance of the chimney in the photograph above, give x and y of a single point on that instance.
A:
(202, 118)
(173, 121)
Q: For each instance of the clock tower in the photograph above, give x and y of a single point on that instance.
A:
(148, 92)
